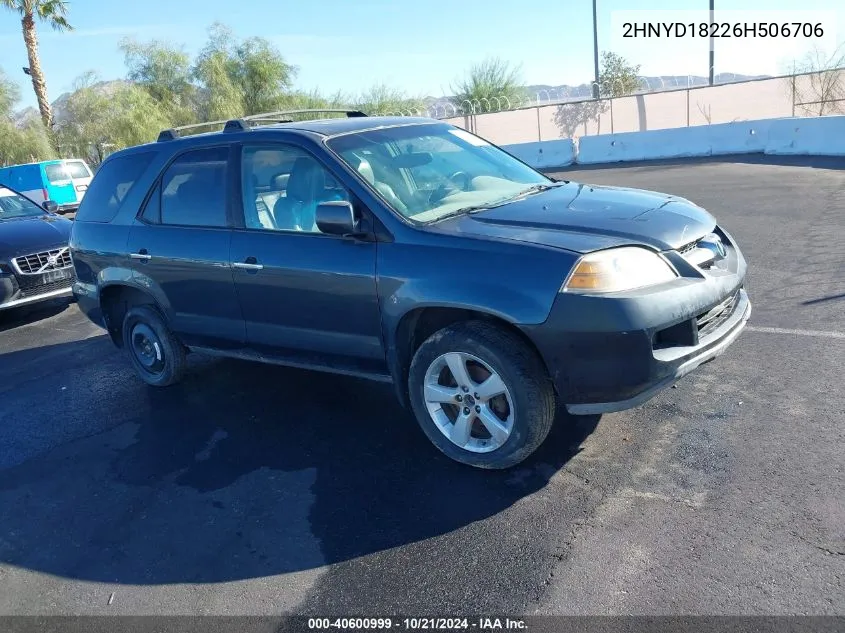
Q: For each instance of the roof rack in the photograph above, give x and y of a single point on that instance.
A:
(243, 124)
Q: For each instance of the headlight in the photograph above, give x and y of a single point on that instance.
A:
(617, 269)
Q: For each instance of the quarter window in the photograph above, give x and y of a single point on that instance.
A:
(110, 187)
(193, 189)
(282, 186)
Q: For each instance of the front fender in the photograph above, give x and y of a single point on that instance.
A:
(514, 283)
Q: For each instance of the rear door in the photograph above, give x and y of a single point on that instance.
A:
(306, 297)
(80, 176)
(180, 246)
(58, 183)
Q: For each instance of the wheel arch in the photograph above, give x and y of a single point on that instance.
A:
(417, 324)
(116, 299)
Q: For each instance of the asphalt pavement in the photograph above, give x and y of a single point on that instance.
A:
(253, 489)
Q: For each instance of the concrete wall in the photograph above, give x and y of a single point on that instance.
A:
(785, 136)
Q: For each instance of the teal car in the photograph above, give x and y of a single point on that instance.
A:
(62, 181)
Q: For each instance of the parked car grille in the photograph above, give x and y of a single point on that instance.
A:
(687, 248)
(44, 261)
(43, 289)
(711, 320)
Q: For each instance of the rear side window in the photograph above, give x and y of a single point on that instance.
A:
(56, 174)
(77, 169)
(109, 188)
(193, 189)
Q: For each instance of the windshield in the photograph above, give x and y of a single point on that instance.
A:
(13, 205)
(428, 172)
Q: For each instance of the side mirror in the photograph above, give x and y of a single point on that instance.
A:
(337, 218)
(49, 206)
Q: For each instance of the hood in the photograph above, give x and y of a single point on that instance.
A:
(21, 236)
(585, 218)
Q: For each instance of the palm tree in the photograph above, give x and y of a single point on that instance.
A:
(52, 12)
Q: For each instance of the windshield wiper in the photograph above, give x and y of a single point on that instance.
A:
(464, 211)
(534, 189)
(499, 203)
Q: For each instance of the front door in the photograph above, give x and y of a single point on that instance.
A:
(180, 250)
(306, 297)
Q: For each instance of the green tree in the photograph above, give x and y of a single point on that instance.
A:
(9, 95)
(383, 99)
(100, 119)
(164, 71)
(19, 144)
(240, 77)
(54, 13)
(618, 77)
(489, 86)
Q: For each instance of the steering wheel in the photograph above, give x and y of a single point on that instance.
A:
(446, 188)
(458, 175)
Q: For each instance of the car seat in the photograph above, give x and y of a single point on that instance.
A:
(296, 211)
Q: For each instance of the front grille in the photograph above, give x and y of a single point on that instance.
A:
(711, 320)
(43, 289)
(686, 248)
(44, 261)
(37, 284)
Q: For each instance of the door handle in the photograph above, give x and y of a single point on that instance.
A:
(141, 255)
(250, 264)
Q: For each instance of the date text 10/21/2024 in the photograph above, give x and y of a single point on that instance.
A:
(481, 624)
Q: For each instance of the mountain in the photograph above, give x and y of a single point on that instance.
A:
(545, 93)
(59, 105)
(537, 93)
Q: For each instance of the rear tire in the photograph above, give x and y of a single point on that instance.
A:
(154, 351)
(496, 362)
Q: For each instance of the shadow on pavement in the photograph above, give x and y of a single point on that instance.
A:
(15, 317)
(241, 471)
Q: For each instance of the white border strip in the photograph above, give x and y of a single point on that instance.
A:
(780, 330)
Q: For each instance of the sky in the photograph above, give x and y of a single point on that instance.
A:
(420, 47)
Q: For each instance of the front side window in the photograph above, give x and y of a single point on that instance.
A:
(193, 189)
(426, 172)
(13, 205)
(282, 186)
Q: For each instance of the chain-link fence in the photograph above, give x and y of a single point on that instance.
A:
(660, 102)
(537, 119)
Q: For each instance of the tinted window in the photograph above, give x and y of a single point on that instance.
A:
(193, 189)
(282, 186)
(109, 188)
(152, 210)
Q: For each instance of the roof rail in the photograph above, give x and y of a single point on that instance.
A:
(269, 115)
(243, 124)
(167, 135)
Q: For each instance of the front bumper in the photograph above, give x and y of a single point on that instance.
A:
(668, 372)
(614, 352)
(31, 289)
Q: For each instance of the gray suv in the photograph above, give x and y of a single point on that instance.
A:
(408, 251)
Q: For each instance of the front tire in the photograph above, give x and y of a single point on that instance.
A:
(156, 354)
(481, 395)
